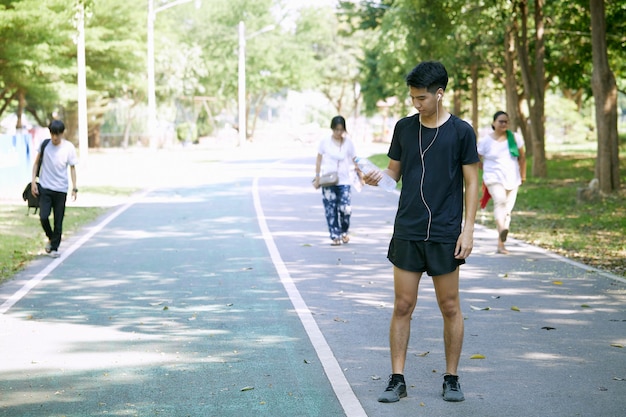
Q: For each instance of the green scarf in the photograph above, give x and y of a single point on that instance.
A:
(512, 144)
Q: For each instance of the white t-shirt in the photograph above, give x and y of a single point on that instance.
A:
(499, 167)
(338, 158)
(53, 175)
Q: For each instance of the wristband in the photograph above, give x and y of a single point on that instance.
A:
(75, 190)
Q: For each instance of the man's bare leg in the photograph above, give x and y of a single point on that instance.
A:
(406, 284)
(447, 290)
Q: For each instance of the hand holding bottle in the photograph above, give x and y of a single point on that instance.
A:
(372, 175)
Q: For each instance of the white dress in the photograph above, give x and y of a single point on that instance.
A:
(499, 167)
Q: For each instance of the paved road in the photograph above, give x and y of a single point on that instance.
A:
(222, 297)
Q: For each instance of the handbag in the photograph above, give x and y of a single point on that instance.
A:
(328, 179)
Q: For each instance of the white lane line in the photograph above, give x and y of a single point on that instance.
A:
(30, 284)
(338, 381)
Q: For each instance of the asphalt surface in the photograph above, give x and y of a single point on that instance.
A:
(219, 295)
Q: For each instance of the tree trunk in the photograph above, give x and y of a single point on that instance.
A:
(513, 98)
(94, 138)
(534, 82)
(21, 104)
(604, 90)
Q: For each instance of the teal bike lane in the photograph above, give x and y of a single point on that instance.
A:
(173, 308)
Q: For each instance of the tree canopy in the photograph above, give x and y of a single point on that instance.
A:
(357, 52)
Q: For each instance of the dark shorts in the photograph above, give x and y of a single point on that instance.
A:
(419, 256)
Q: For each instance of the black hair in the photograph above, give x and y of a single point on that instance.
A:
(56, 127)
(430, 75)
(338, 120)
(496, 115)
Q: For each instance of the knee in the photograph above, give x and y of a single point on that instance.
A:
(450, 307)
(403, 307)
(346, 209)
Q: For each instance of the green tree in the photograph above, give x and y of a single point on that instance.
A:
(36, 60)
(523, 46)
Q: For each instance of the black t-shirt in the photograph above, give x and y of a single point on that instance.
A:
(431, 199)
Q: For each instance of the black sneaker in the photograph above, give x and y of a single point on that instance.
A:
(452, 388)
(396, 389)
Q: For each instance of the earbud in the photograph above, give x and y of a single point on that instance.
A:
(439, 97)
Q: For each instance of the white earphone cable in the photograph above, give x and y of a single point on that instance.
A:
(422, 154)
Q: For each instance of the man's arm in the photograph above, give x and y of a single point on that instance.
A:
(393, 169)
(73, 176)
(33, 183)
(465, 243)
(374, 177)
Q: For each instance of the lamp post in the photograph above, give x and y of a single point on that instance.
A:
(83, 131)
(241, 82)
(152, 112)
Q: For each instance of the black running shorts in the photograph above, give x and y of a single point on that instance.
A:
(419, 256)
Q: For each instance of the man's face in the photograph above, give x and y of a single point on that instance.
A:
(423, 101)
(56, 138)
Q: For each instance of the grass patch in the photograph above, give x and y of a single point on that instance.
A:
(548, 215)
(22, 239)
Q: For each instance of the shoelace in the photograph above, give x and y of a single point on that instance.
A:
(453, 384)
(391, 386)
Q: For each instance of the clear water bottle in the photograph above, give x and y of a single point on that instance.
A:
(366, 166)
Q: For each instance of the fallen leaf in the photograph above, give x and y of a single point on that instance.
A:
(306, 361)
(375, 377)
(548, 328)
(557, 282)
(618, 379)
(247, 388)
(422, 354)
(479, 308)
(229, 305)
(247, 268)
(617, 345)
(477, 356)
(585, 306)
(307, 245)
(515, 308)
(495, 297)
(156, 304)
(340, 320)
(166, 308)
(422, 405)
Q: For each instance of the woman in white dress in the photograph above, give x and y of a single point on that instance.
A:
(504, 170)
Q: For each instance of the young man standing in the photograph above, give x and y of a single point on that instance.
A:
(53, 181)
(435, 154)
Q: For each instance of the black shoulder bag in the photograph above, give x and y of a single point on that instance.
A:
(27, 195)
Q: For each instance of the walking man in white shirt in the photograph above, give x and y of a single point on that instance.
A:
(53, 183)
